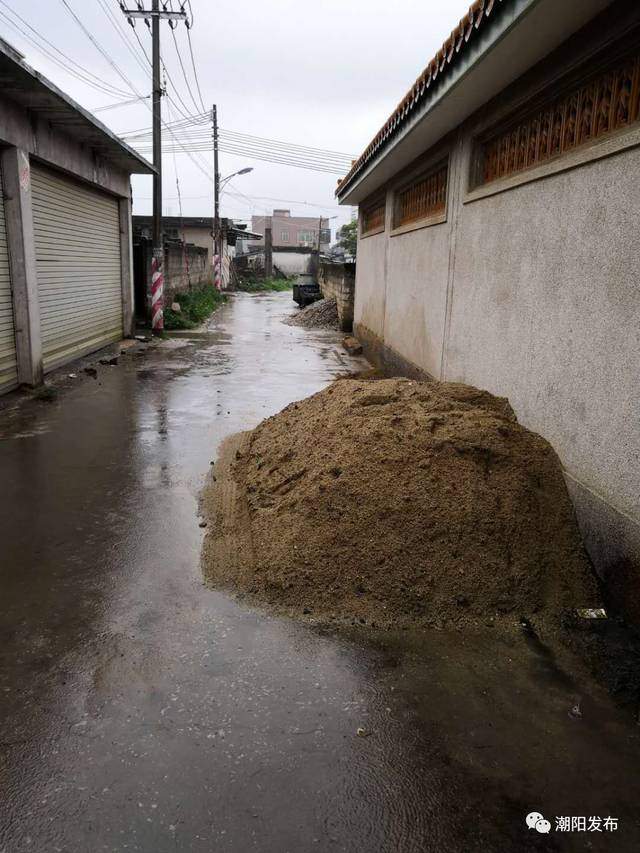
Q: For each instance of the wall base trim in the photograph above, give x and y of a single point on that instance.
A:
(612, 540)
(385, 358)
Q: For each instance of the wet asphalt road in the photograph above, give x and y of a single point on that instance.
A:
(142, 711)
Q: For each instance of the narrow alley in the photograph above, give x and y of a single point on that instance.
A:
(144, 711)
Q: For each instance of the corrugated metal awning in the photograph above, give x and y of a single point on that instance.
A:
(28, 88)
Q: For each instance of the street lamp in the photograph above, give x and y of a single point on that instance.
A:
(216, 213)
(244, 171)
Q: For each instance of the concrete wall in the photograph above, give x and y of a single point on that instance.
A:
(371, 285)
(545, 309)
(338, 281)
(184, 267)
(532, 293)
(294, 263)
(199, 237)
(416, 295)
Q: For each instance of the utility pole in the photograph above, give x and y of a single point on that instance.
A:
(157, 263)
(268, 252)
(216, 201)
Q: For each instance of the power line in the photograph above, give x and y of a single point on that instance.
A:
(170, 79)
(193, 119)
(146, 55)
(203, 164)
(238, 192)
(101, 50)
(186, 115)
(185, 260)
(115, 23)
(127, 102)
(193, 65)
(201, 137)
(300, 164)
(253, 198)
(316, 165)
(201, 142)
(250, 150)
(279, 142)
(84, 75)
(312, 167)
(184, 73)
(312, 162)
(245, 138)
(297, 201)
(293, 153)
(144, 68)
(258, 153)
(97, 46)
(195, 136)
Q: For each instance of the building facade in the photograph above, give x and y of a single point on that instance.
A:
(66, 283)
(498, 241)
(291, 232)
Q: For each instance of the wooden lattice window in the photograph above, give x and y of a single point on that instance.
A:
(373, 217)
(424, 198)
(605, 103)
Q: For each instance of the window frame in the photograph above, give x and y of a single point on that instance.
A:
(379, 200)
(549, 95)
(422, 172)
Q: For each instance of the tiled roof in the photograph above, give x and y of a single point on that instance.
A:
(437, 68)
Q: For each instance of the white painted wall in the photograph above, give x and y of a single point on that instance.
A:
(416, 295)
(292, 263)
(534, 294)
(546, 310)
(370, 298)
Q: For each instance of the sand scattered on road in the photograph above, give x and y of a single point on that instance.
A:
(397, 503)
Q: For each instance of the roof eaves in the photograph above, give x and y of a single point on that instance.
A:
(58, 101)
(435, 71)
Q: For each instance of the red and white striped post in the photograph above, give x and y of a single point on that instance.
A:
(157, 291)
(216, 272)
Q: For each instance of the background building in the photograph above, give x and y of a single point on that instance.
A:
(293, 231)
(294, 241)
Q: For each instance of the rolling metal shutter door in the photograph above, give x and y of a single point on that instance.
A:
(8, 366)
(77, 237)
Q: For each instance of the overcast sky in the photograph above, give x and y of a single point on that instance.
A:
(324, 74)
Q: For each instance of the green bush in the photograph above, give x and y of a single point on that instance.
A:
(195, 307)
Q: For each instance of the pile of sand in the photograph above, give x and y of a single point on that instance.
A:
(319, 315)
(395, 502)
